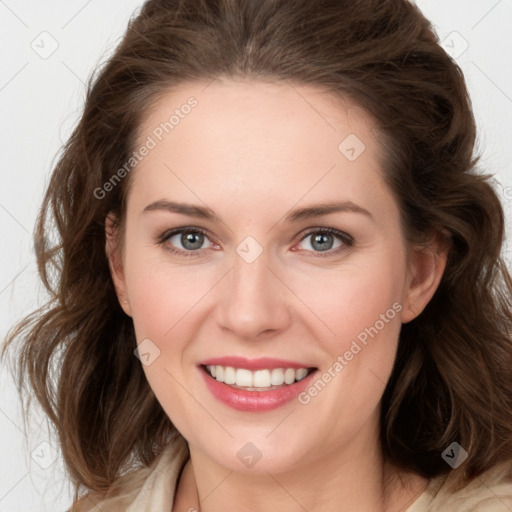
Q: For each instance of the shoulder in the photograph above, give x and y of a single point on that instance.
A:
(152, 485)
(489, 492)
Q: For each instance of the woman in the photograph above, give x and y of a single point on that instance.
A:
(279, 279)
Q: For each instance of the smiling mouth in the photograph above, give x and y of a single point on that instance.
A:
(257, 380)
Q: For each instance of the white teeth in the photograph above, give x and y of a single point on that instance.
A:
(261, 379)
(229, 375)
(289, 376)
(241, 377)
(301, 373)
(277, 377)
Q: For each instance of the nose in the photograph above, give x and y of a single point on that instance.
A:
(254, 302)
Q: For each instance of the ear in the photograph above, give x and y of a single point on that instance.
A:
(426, 267)
(115, 260)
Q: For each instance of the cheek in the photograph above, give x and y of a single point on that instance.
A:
(349, 300)
(150, 303)
(161, 295)
(362, 306)
(166, 301)
(364, 311)
(162, 303)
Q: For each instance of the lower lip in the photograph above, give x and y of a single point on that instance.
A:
(254, 401)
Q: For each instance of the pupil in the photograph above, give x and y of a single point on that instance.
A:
(324, 242)
(192, 240)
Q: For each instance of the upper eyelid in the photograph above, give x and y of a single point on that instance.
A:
(176, 231)
(331, 231)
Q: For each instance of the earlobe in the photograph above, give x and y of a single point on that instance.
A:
(113, 252)
(426, 268)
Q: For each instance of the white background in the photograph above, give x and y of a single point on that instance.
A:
(40, 100)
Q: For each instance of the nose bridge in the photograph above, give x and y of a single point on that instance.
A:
(253, 300)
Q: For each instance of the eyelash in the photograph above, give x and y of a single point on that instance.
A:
(345, 238)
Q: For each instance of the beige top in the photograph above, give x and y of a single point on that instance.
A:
(153, 489)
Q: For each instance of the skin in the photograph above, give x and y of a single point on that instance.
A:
(252, 152)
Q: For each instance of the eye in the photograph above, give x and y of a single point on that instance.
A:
(185, 241)
(327, 240)
(191, 241)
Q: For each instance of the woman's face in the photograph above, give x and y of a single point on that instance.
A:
(226, 255)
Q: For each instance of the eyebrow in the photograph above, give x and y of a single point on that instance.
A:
(297, 215)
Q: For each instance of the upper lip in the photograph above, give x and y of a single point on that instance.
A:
(260, 363)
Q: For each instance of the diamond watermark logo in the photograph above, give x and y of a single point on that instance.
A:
(147, 352)
(45, 45)
(454, 455)
(249, 249)
(454, 45)
(249, 455)
(44, 455)
(352, 147)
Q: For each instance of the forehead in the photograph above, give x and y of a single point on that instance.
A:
(253, 139)
(274, 113)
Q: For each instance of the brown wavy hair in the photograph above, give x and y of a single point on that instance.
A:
(452, 379)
